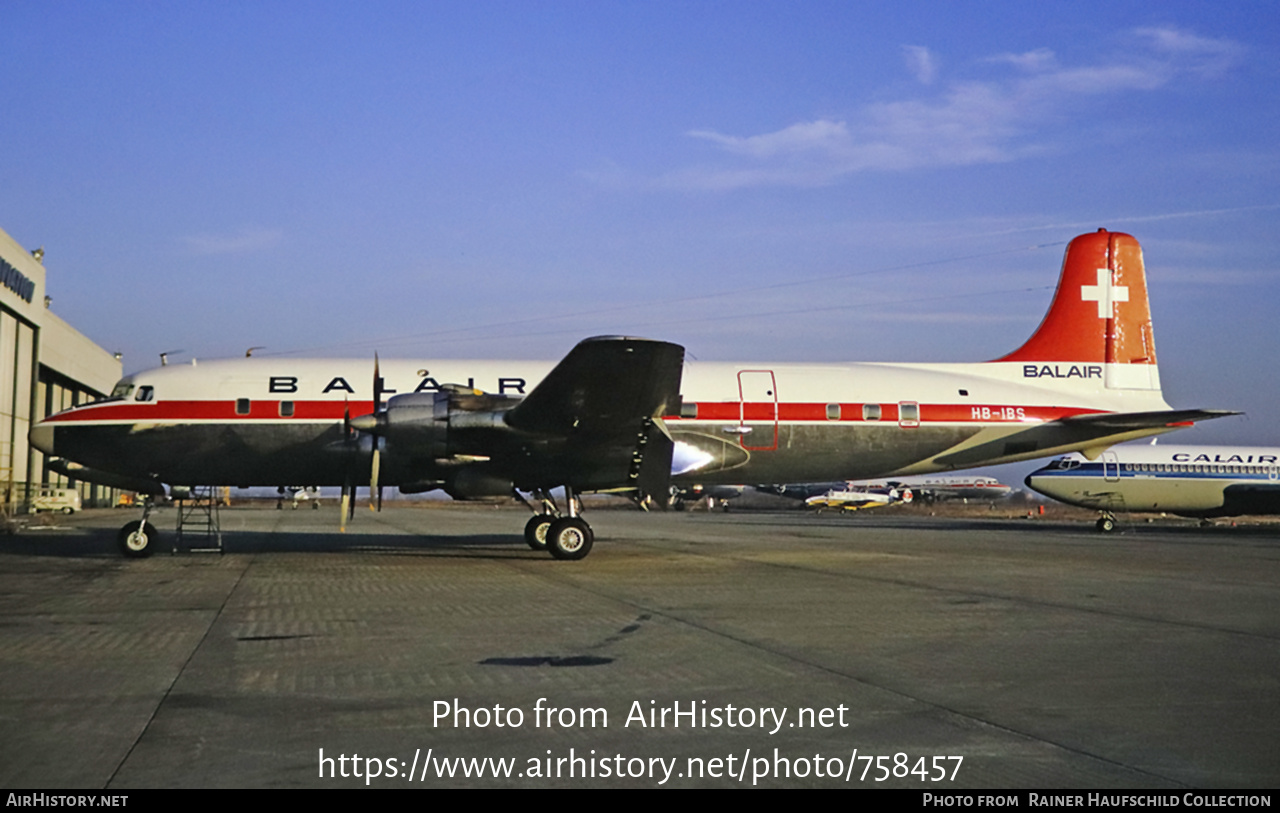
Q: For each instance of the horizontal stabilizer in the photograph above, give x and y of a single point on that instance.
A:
(1074, 433)
(1124, 421)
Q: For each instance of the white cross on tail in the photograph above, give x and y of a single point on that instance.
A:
(1105, 294)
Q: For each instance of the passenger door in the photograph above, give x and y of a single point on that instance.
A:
(758, 406)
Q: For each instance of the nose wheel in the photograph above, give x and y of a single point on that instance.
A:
(138, 539)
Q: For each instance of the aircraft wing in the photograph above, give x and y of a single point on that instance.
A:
(1073, 432)
(594, 423)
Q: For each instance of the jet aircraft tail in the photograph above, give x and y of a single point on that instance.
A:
(1098, 327)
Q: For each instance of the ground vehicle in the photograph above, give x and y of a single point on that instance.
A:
(65, 500)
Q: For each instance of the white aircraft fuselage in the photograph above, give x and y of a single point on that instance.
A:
(621, 414)
(1194, 481)
(262, 422)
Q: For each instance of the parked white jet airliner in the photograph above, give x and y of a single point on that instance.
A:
(1190, 481)
(616, 415)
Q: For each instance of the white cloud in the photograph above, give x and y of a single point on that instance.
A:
(966, 123)
(921, 63)
(1203, 55)
(820, 136)
(243, 241)
(1037, 60)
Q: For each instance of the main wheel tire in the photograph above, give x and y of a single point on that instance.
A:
(1106, 524)
(569, 538)
(138, 539)
(535, 531)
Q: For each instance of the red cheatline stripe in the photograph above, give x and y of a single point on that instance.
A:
(178, 411)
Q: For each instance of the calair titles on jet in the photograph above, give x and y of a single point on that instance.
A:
(1183, 457)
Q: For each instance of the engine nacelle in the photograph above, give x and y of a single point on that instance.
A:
(441, 425)
(476, 482)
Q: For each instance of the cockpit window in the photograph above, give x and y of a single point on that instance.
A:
(123, 390)
(145, 394)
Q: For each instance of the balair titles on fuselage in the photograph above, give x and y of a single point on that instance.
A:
(288, 384)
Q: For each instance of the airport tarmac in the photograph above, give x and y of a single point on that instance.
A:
(812, 651)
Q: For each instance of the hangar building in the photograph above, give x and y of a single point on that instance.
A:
(45, 366)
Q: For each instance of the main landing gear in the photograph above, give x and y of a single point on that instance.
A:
(139, 539)
(564, 537)
(1106, 523)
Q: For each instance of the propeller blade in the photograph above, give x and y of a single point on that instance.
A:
(374, 488)
(346, 490)
(342, 520)
(376, 463)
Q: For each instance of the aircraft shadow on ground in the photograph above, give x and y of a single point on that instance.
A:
(100, 542)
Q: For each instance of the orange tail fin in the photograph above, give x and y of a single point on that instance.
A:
(1100, 314)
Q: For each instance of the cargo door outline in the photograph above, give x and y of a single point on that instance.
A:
(758, 405)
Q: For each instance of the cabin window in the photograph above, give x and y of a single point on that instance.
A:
(870, 412)
(908, 413)
(833, 412)
(689, 409)
(286, 409)
(145, 394)
(242, 406)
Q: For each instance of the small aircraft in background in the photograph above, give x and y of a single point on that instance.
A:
(926, 489)
(1190, 481)
(853, 499)
(298, 495)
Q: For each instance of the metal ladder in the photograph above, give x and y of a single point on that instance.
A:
(199, 527)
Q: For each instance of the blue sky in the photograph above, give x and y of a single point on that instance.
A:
(825, 181)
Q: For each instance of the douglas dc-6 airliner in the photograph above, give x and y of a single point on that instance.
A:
(1190, 481)
(630, 415)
